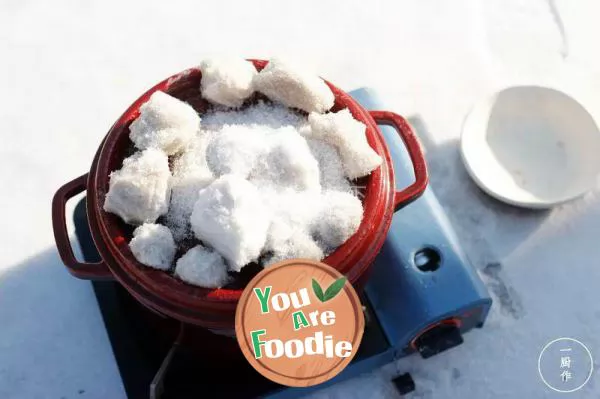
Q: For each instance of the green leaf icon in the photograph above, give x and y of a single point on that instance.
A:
(318, 290)
(334, 289)
(330, 292)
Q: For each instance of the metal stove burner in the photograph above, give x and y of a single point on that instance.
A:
(421, 297)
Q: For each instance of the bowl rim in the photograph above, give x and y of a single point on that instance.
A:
(472, 130)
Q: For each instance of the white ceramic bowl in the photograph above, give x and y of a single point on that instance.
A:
(531, 146)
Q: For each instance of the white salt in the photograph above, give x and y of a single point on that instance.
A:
(260, 182)
(190, 175)
(165, 123)
(341, 130)
(153, 245)
(227, 81)
(338, 219)
(293, 87)
(262, 114)
(292, 212)
(299, 245)
(202, 267)
(287, 163)
(231, 217)
(139, 192)
(234, 149)
(331, 167)
(241, 138)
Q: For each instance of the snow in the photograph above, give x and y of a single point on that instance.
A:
(203, 267)
(430, 61)
(230, 216)
(227, 81)
(153, 245)
(292, 86)
(165, 123)
(347, 135)
(139, 191)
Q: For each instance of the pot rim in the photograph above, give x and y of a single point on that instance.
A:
(353, 258)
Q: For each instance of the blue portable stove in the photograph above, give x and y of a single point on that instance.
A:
(422, 296)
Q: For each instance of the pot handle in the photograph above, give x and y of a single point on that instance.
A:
(415, 190)
(85, 271)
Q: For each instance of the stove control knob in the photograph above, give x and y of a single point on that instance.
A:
(441, 337)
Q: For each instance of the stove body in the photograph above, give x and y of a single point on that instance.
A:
(422, 296)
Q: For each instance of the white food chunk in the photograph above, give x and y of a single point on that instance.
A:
(341, 130)
(288, 163)
(202, 267)
(165, 123)
(331, 167)
(231, 217)
(299, 245)
(190, 175)
(294, 87)
(153, 245)
(139, 192)
(292, 213)
(339, 218)
(235, 149)
(227, 81)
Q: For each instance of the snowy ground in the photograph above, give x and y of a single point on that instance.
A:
(70, 67)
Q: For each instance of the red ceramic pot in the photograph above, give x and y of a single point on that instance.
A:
(215, 308)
